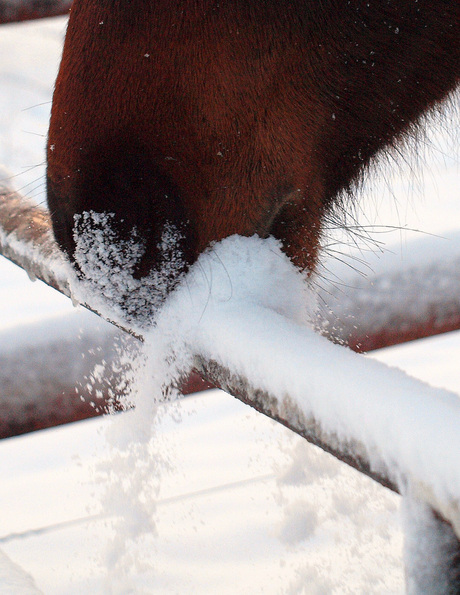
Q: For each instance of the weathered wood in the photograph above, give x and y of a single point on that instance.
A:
(14, 11)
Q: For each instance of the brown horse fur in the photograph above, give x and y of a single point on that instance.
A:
(236, 116)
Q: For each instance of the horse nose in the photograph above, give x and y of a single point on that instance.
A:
(124, 182)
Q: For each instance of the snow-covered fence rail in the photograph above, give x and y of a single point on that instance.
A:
(388, 426)
(26, 240)
(47, 372)
(14, 11)
(398, 299)
(389, 306)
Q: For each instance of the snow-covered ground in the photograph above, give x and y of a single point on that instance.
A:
(222, 500)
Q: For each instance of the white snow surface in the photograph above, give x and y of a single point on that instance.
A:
(13, 579)
(206, 495)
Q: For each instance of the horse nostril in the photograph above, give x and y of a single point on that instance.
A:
(167, 251)
(133, 275)
(123, 224)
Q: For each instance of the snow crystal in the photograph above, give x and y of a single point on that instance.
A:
(107, 265)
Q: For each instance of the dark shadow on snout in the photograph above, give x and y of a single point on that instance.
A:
(127, 183)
